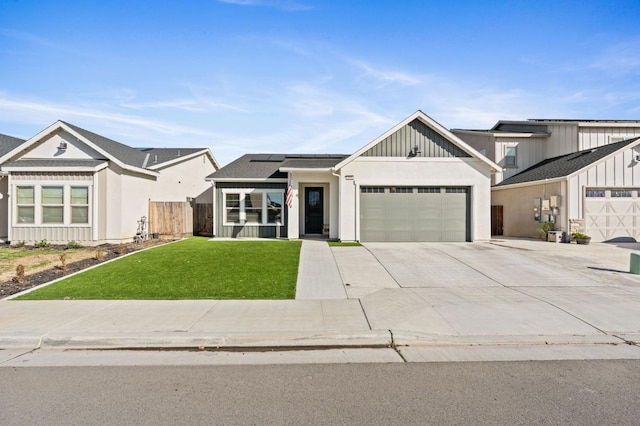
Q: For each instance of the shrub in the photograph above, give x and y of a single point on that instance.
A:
(19, 244)
(42, 244)
(73, 245)
(580, 235)
(19, 277)
(63, 262)
(99, 255)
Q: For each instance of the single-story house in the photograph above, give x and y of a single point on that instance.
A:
(415, 182)
(69, 184)
(595, 191)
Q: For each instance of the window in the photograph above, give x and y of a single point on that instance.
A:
(52, 204)
(372, 190)
(621, 193)
(254, 207)
(274, 207)
(428, 190)
(79, 204)
(594, 193)
(456, 190)
(26, 204)
(400, 190)
(510, 156)
(232, 207)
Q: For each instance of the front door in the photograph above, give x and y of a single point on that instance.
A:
(496, 220)
(313, 210)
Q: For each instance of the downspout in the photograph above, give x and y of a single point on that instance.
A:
(339, 200)
(215, 212)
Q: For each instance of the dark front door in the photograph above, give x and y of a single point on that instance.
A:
(313, 210)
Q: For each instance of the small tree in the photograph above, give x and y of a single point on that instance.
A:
(544, 229)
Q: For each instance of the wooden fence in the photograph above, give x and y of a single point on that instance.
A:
(173, 219)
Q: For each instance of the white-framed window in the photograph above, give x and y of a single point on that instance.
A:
(52, 204)
(26, 204)
(510, 156)
(55, 204)
(80, 204)
(255, 207)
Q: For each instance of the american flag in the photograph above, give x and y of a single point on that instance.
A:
(289, 199)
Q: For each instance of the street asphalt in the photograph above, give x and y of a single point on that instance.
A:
(506, 299)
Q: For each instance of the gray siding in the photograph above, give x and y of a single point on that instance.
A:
(54, 235)
(248, 231)
(416, 133)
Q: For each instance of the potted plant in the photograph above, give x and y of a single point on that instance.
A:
(544, 228)
(581, 238)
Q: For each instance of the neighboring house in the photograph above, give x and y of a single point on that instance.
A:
(69, 184)
(416, 182)
(580, 174)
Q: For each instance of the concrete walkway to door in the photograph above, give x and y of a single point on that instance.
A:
(318, 275)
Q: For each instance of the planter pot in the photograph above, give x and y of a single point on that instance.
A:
(583, 240)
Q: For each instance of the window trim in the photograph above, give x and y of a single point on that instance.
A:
(514, 156)
(243, 192)
(31, 205)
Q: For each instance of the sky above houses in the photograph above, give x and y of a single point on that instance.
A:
(309, 76)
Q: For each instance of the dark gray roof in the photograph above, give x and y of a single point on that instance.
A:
(566, 164)
(136, 157)
(9, 143)
(58, 163)
(266, 166)
(124, 153)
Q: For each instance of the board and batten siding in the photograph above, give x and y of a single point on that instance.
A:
(429, 143)
(57, 234)
(563, 139)
(593, 137)
(247, 231)
(529, 151)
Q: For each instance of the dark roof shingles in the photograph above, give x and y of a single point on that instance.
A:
(565, 165)
(267, 166)
(9, 143)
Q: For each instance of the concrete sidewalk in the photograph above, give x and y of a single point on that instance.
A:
(512, 293)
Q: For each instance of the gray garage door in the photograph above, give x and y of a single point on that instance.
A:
(414, 213)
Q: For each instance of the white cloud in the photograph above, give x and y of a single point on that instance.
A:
(386, 76)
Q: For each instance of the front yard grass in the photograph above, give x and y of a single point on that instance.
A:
(195, 268)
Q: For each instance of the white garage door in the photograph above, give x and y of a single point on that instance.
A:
(414, 213)
(612, 213)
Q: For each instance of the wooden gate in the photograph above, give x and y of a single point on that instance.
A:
(203, 220)
(496, 220)
(171, 218)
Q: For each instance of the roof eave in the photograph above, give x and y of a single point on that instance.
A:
(305, 169)
(530, 183)
(276, 180)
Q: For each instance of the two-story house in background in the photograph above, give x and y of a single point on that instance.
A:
(580, 174)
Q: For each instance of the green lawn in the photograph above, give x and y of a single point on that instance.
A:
(195, 268)
(344, 244)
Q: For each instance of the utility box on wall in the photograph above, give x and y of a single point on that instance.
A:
(554, 201)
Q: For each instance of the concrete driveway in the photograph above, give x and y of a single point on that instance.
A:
(509, 290)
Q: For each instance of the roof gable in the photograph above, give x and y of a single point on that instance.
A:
(566, 165)
(403, 143)
(437, 141)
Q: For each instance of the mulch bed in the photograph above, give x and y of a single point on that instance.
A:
(110, 251)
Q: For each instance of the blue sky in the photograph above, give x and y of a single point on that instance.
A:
(309, 76)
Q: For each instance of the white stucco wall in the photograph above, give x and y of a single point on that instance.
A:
(48, 148)
(184, 179)
(301, 180)
(401, 171)
(4, 207)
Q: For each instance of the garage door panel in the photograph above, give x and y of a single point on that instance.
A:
(608, 217)
(416, 214)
